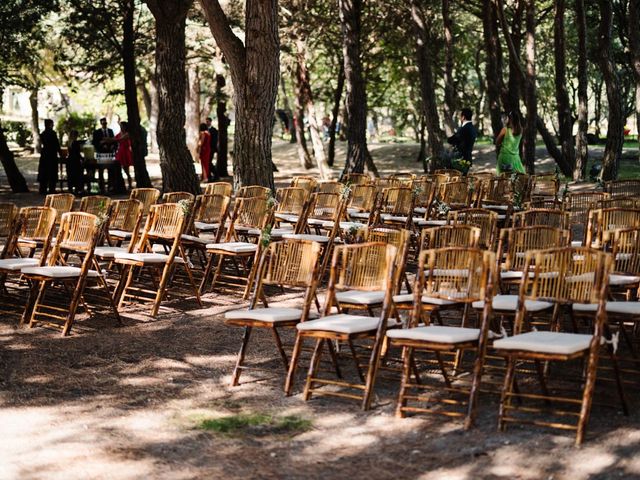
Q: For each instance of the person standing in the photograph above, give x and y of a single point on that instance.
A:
(213, 133)
(465, 137)
(48, 164)
(204, 151)
(508, 142)
(124, 153)
(74, 164)
(101, 136)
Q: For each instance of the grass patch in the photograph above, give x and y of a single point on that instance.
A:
(256, 424)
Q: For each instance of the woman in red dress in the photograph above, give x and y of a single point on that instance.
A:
(124, 154)
(204, 151)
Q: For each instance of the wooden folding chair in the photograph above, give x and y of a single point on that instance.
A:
(365, 267)
(254, 191)
(305, 182)
(544, 186)
(486, 220)
(562, 276)
(362, 202)
(462, 275)
(288, 263)
(578, 206)
(291, 209)
(176, 197)
(8, 218)
(622, 188)
(77, 237)
(395, 207)
(218, 188)
(62, 202)
(95, 204)
(602, 222)
(456, 194)
(424, 191)
(147, 196)
(210, 213)
(164, 226)
(459, 235)
(250, 217)
(124, 221)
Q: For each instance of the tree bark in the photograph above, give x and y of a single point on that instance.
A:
(192, 110)
(335, 111)
(291, 118)
(15, 178)
(634, 46)
(565, 119)
(298, 121)
(131, 95)
(515, 85)
(35, 121)
(223, 126)
(582, 146)
(424, 61)
(449, 87)
(356, 95)
(176, 163)
(613, 147)
(493, 68)
(530, 96)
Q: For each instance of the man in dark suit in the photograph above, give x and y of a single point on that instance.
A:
(48, 165)
(101, 133)
(213, 132)
(465, 136)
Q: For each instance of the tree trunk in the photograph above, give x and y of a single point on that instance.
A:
(150, 100)
(255, 72)
(422, 153)
(449, 87)
(493, 68)
(597, 112)
(613, 147)
(424, 61)
(530, 96)
(131, 96)
(192, 110)
(15, 178)
(356, 95)
(223, 126)
(565, 119)
(582, 145)
(306, 100)
(335, 111)
(176, 163)
(35, 121)
(291, 118)
(515, 87)
(634, 46)
(298, 120)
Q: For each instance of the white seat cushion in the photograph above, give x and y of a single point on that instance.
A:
(360, 298)
(109, 252)
(436, 333)
(279, 232)
(271, 315)
(120, 234)
(195, 239)
(206, 226)
(343, 225)
(233, 247)
(287, 217)
(435, 223)
(15, 264)
(510, 303)
(545, 342)
(146, 258)
(513, 275)
(616, 279)
(57, 271)
(408, 298)
(420, 210)
(341, 323)
(361, 215)
(305, 236)
(585, 307)
(626, 308)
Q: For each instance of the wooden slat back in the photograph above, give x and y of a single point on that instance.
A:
(8, 216)
(625, 245)
(218, 188)
(37, 222)
(516, 242)
(362, 197)
(212, 208)
(254, 191)
(485, 219)
(175, 197)
(95, 204)
(459, 235)
(291, 263)
(541, 216)
(62, 202)
(291, 200)
(147, 196)
(125, 215)
(77, 233)
(365, 267)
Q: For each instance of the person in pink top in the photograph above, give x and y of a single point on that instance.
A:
(124, 154)
(204, 151)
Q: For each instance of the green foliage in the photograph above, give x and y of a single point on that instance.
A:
(84, 123)
(18, 132)
(258, 423)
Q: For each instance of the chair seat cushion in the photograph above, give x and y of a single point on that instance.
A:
(420, 210)
(343, 225)
(233, 247)
(15, 264)
(146, 258)
(361, 215)
(513, 275)
(305, 236)
(617, 279)
(510, 303)
(279, 232)
(341, 323)
(545, 342)
(206, 226)
(360, 298)
(436, 333)
(195, 239)
(109, 252)
(408, 298)
(287, 217)
(623, 308)
(272, 314)
(120, 234)
(57, 271)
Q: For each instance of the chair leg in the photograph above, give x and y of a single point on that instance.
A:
(293, 364)
(207, 272)
(34, 296)
(356, 361)
(313, 367)
(372, 371)
(334, 359)
(196, 292)
(166, 271)
(77, 294)
(281, 351)
(237, 371)
(125, 280)
(104, 285)
(407, 361)
(507, 389)
(587, 396)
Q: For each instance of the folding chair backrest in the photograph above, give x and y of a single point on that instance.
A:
(148, 197)
(249, 213)
(307, 183)
(622, 188)
(626, 251)
(396, 201)
(175, 197)
(291, 263)
(364, 267)
(449, 172)
(541, 216)
(356, 179)
(95, 204)
(603, 221)
(545, 186)
(331, 187)
(37, 223)
(62, 202)
(544, 202)
(579, 204)
(78, 233)
(424, 191)
(325, 206)
(397, 237)
(386, 182)
(212, 208)
(291, 200)
(516, 242)
(125, 215)
(218, 188)
(458, 235)
(620, 202)
(485, 219)
(254, 191)
(455, 273)
(498, 191)
(362, 197)
(404, 179)
(455, 193)
(166, 221)
(8, 217)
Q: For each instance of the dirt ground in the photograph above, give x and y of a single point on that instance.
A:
(133, 403)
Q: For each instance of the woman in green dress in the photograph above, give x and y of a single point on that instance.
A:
(508, 142)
